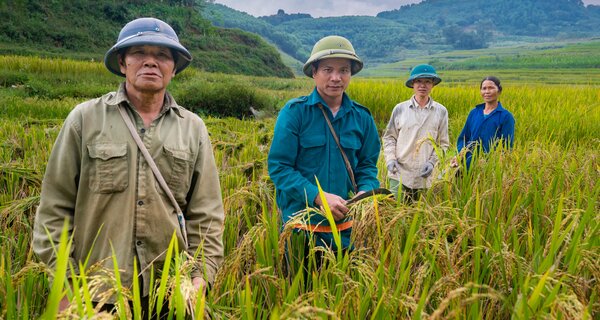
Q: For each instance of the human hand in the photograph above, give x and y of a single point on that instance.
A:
(393, 166)
(337, 205)
(427, 169)
(199, 284)
(454, 162)
(64, 303)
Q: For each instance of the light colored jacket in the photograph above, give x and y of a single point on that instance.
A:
(98, 180)
(406, 140)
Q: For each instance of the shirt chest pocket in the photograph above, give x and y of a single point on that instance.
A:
(177, 170)
(351, 145)
(109, 170)
(406, 124)
(312, 150)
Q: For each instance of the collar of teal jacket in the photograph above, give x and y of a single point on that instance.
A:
(347, 104)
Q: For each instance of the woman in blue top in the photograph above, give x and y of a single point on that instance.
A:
(487, 124)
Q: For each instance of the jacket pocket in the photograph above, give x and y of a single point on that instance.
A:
(109, 167)
(351, 146)
(180, 168)
(312, 148)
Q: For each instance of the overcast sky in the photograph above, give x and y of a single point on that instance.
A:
(324, 8)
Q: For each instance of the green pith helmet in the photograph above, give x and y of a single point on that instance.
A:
(333, 47)
(423, 71)
(147, 31)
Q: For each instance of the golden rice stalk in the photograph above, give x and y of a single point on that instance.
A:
(464, 296)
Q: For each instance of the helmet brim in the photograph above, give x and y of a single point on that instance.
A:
(357, 64)
(436, 79)
(182, 61)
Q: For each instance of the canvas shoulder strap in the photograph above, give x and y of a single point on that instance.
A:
(337, 141)
(154, 168)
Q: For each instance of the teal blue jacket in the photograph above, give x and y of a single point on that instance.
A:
(303, 149)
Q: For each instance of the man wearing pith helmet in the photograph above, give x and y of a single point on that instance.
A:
(305, 150)
(99, 182)
(415, 128)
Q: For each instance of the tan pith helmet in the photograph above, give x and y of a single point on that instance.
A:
(333, 47)
(147, 31)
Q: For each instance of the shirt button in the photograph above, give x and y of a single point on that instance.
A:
(139, 242)
(140, 203)
(143, 130)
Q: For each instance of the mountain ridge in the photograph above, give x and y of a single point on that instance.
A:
(403, 33)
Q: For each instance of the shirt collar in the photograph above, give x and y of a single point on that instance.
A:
(121, 96)
(315, 98)
(415, 104)
(499, 108)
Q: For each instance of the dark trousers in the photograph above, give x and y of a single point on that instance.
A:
(300, 254)
(410, 195)
(145, 304)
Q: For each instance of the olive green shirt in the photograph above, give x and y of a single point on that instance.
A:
(98, 179)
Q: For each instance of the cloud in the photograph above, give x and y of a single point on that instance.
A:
(323, 8)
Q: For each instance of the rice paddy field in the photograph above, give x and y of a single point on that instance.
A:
(516, 238)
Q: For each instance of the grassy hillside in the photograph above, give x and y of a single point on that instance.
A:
(85, 29)
(226, 17)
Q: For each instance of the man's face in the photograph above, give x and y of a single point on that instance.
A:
(147, 69)
(332, 77)
(422, 87)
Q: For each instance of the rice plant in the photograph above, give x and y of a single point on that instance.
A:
(515, 237)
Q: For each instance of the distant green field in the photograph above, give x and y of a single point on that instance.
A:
(508, 76)
(529, 61)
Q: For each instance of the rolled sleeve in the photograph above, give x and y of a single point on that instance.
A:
(282, 159)
(443, 140)
(390, 137)
(366, 170)
(507, 133)
(464, 135)
(59, 194)
(205, 214)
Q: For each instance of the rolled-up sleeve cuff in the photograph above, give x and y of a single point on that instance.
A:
(311, 194)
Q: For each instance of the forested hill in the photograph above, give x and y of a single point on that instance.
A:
(85, 29)
(426, 28)
(506, 17)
